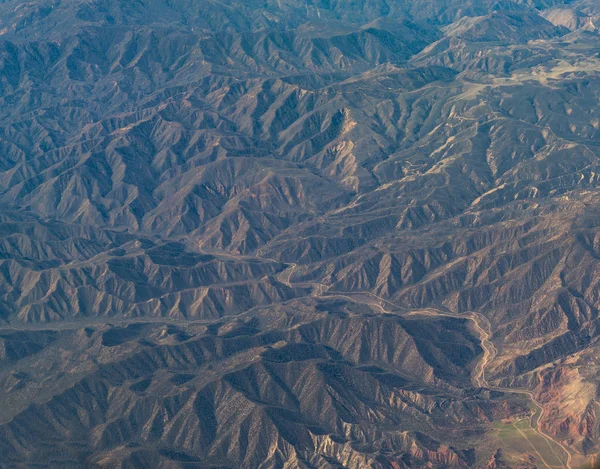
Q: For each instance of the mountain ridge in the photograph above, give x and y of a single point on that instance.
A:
(305, 235)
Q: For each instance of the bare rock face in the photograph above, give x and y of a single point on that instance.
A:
(289, 234)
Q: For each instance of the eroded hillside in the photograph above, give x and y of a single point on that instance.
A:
(299, 234)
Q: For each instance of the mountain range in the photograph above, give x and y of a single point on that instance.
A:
(299, 234)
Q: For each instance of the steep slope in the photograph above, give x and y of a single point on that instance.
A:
(304, 235)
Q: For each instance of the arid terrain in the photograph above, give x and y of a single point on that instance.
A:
(295, 234)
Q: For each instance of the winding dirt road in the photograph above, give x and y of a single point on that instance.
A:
(489, 353)
(483, 327)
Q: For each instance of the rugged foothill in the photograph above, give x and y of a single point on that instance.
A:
(299, 234)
